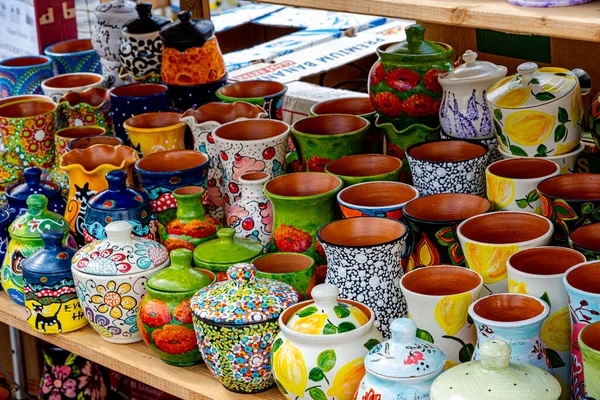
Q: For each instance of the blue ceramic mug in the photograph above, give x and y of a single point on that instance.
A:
(24, 75)
(72, 56)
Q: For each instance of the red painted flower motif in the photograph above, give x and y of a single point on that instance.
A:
(155, 313)
(430, 80)
(389, 104)
(420, 105)
(174, 339)
(291, 239)
(319, 249)
(377, 73)
(402, 79)
(317, 164)
(143, 331)
(183, 313)
(371, 395)
(268, 153)
(321, 273)
(414, 357)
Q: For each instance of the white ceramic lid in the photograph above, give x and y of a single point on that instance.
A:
(116, 7)
(473, 69)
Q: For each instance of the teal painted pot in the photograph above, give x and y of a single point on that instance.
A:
(297, 270)
(365, 168)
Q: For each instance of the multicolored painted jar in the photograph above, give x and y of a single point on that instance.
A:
(50, 297)
(25, 239)
(165, 317)
(118, 203)
(236, 324)
(4, 223)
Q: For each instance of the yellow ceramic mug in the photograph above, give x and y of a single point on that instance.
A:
(155, 132)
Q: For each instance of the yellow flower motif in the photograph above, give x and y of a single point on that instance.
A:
(451, 312)
(359, 316)
(556, 331)
(489, 260)
(112, 298)
(289, 369)
(529, 127)
(346, 381)
(517, 287)
(514, 98)
(313, 324)
(500, 191)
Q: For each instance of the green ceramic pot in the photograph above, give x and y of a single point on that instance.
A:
(267, 94)
(323, 138)
(297, 270)
(589, 342)
(365, 168)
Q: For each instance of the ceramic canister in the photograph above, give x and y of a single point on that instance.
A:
(110, 275)
(266, 94)
(155, 132)
(365, 168)
(539, 272)
(586, 240)
(297, 270)
(89, 107)
(252, 214)
(438, 300)
(24, 75)
(236, 324)
(107, 35)
(488, 240)
(376, 199)
(77, 55)
(58, 86)
(589, 342)
(567, 161)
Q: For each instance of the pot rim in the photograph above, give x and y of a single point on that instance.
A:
(570, 200)
(286, 253)
(395, 205)
(48, 62)
(6, 105)
(476, 143)
(312, 113)
(510, 324)
(574, 243)
(71, 88)
(509, 266)
(462, 269)
(163, 91)
(189, 117)
(251, 99)
(49, 52)
(524, 180)
(382, 156)
(380, 123)
(311, 197)
(337, 135)
(177, 171)
(572, 288)
(276, 138)
(449, 221)
(178, 125)
(593, 349)
(132, 159)
(364, 246)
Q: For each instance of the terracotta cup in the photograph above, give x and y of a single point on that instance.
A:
(157, 131)
(86, 142)
(376, 199)
(60, 85)
(266, 94)
(24, 75)
(89, 107)
(365, 168)
(77, 55)
(589, 342)
(448, 166)
(511, 184)
(488, 241)
(570, 201)
(586, 240)
(566, 162)
(438, 300)
(297, 270)
(25, 97)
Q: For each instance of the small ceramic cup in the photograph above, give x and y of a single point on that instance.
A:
(511, 184)
(488, 240)
(589, 342)
(25, 97)
(24, 75)
(365, 168)
(448, 166)
(267, 94)
(297, 270)
(154, 132)
(566, 162)
(85, 142)
(58, 86)
(586, 240)
(77, 55)
(376, 199)
(89, 107)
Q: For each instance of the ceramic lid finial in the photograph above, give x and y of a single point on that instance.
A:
(117, 180)
(144, 10)
(52, 239)
(184, 16)
(495, 355)
(226, 234)
(181, 258)
(469, 57)
(403, 330)
(527, 70)
(325, 295)
(33, 176)
(118, 231)
(415, 33)
(37, 203)
(241, 274)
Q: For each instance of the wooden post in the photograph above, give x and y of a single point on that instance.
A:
(199, 8)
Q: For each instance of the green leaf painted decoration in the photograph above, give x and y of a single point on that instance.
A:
(517, 151)
(369, 344)
(560, 74)
(533, 196)
(544, 96)
(466, 353)
(445, 236)
(308, 311)
(546, 298)
(80, 395)
(542, 150)
(346, 327)
(563, 115)
(470, 320)
(423, 334)
(71, 359)
(554, 359)
(316, 375)
(564, 211)
(341, 312)
(560, 133)
(504, 140)
(498, 114)
(326, 360)
(329, 329)
(534, 81)
(317, 394)
(522, 203)
(587, 208)
(276, 345)
(280, 386)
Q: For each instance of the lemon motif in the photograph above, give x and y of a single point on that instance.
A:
(566, 147)
(489, 261)
(553, 70)
(347, 379)
(313, 324)
(449, 364)
(563, 385)
(559, 84)
(517, 287)
(514, 98)
(290, 369)
(538, 210)
(576, 106)
(500, 191)
(556, 331)
(359, 316)
(451, 312)
(501, 82)
(529, 127)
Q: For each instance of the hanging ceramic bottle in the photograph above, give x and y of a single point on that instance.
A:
(252, 215)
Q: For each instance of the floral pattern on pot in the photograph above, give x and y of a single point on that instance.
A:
(84, 114)
(452, 120)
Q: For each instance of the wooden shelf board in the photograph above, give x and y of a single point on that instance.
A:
(134, 360)
(579, 22)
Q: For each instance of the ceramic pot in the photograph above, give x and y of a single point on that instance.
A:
(488, 240)
(376, 199)
(202, 122)
(77, 55)
(131, 100)
(464, 113)
(163, 172)
(27, 97)
(547, 3)
(18, 194)
(110, 275)
(582, 283)
(266, 94)
(438, 300)
(538, 111)
(494, 153)
(257, 145)
(24, 75)
(567, 162)
(297, 270)
(84, 143)
(89, 107)
(433, 221)
(539, 273)
(118, 203)
(25, 239)
(239, 317)
(511, 184)
(111, 70)
(191, 225)
(107, 35)
(589, 341)
(4, 236)
(403, 83)
(333, 351)
(499, 377)
(154, 132)
(164, 315)
(185, 97)
(448, 166)
(364, 261)
(9, 176)
(402, 368)
(50, 296)
(87, 169)
(252, 215)
(570, 201)
(585, 240)
(58, 86)
(365, 168)
(324, 138)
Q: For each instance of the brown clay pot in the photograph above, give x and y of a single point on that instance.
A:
(297, 270)
(71, 46)
(86, 142)
(25, 97)
(348, 105)
(92, 97)
(523, 168)
(267, 94)
(548, 260)
(376, 199)
(26, 108)
(442, 280)
(224, 112)
(508, 307)
(586, 239)
(69, 81)
(365, 168)
(446, 151)
(155, 132)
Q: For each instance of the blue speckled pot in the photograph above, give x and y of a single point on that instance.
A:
(24, 75)
(77, 55)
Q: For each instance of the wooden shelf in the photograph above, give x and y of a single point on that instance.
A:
(134, 360)
(578, 22)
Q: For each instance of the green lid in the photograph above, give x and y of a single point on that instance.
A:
(227, 249)
(415, 43)
(180, 276)
(38, 219)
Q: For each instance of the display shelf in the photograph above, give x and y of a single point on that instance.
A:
(578, 22)
(134, 360)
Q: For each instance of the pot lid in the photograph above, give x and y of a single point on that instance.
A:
(54, 258)
(497, 377)
(33, 185)
(38, 219)
(180, 276)
(473, 69)
(145, 22)
(532, 87)
(227, 249)
(120, 253)
(404, 355)
(415, 43)
(117, 8)
(187, 32)
(327, 315)
(243, 298)
(118, 196)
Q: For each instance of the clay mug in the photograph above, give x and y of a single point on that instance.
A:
(438, 300)
(24, 75)
(85, 142)
(154, 132)
(77, 55)
(566, 162)
(266, 94)
(586, 240)
(297, 270)
(89, 107)
(589, 342)
(365, 168)
(58, 86)
(376, 199)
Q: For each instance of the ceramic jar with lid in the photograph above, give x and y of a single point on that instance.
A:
(165, 317)
(320, 350)
(25, 239)
(118, 203)
(236, 324)
(402, 368)
(110, 275)
(495, 378)
(537, 112)
(50, 297)
(464, 113)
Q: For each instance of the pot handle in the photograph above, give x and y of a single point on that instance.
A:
(585, 80)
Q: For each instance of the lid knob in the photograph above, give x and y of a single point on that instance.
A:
(144, 10)
(118, 231)
(526, 70)
(184, 16)
(495, 355)
(37, 203)
(403, 330)
(33, 176)
(241, 274)
(181, 258)
(469, 57)
(52, 238)
(226, 235)
(325, 295)
(117, 180)
(415, 33)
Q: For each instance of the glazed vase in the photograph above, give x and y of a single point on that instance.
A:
(297, 270)
(24, 75)
(265, 94)
(438, 300)
(155, 132)
(90, 107)
(252, 214)
(590, 352)
(75, 55)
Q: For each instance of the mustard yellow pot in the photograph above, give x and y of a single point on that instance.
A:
(157, 131)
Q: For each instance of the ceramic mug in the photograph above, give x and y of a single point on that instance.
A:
(511, 184)
(77, 55)
(89, 107)
(586, 240)
(365, 168)
(589, 342)
(376, 199)
(154, 132)
(566, 162)
(24, 75)
(60, 85)
(267, 94)
(297, 270)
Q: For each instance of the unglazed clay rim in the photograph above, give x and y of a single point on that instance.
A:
(510, 324)
(355, 156)
(66, 89)
(593, 349)
(395, 205)
(131, 160)
(364, 246)
(25, 97)
(314, 114)
(98, 128)
(475, 143)
(84, 92)
(549, 158)
(509, 266)
(161, 129)
(277, 138)
(6, 105)
(285, 253)
(190, 117)
(524, 180)
(260, 181)
(574, 243)
(314, 196)
(568, 286)
(565, 177)
(445, 221)
(337, 135)
(48, 62)
(105, 136)
(475, 290)
(49, 52)
(252, 99)
(177, 171)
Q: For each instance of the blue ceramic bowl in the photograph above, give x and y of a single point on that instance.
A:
(77, 55)
(24, 75)
(193, 96)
